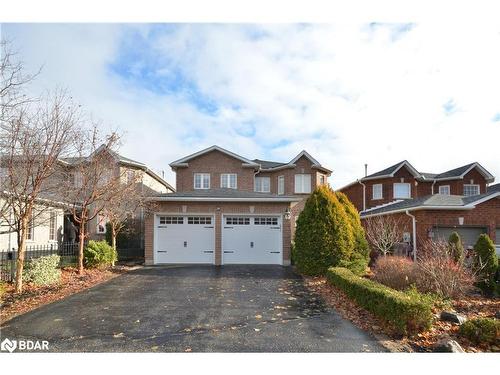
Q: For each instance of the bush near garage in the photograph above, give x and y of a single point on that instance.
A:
(42, 271)
(323, 236)
(360, 255)
(456, 247)
(395, 272)
(486, 264)
(481, 330)
(99, 254)
(406, 312)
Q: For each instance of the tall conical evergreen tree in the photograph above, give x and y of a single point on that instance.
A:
(323, 237)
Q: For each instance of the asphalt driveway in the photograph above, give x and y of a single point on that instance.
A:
(194, 308)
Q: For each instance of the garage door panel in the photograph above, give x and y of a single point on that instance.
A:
(251, 240)
(468, 235)
(190, 239)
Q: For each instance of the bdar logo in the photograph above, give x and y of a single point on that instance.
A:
(8, 345)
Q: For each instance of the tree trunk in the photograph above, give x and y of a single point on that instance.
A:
(21, 250)
(113, 240)
(81, 243)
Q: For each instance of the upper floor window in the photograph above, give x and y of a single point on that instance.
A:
(402, 190)
(321, 179)
(302, 183)
(281, 185)
(228, 180)
(444, 189)
(101, 224)
(77, 179)
(131, 177)
(52, 226)
(263, 184)
(202, 180)
(30, 234)
(471, 189)
(377, 191)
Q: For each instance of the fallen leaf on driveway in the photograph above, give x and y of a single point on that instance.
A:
(187, 349)
(258, 316)
(118, 335)
(256, 329)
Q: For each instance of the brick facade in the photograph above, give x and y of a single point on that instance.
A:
(418, 188)
(484, 215)
(218, 209)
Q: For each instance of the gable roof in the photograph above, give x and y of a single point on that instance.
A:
(460, 172)
(391, 171)
(493, 188)
(183, 161)
(431, 202)
(262, 165)
(123, 160)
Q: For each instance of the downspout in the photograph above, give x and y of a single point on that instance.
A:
(414, 228)
(432, 187)
(364, 195)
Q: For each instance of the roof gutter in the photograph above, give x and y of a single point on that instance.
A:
(216, 199)
(404, 210)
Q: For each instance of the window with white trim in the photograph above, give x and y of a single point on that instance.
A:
(402, 190)
(199, 220)
(131, 177)
(471, 189)
(229, 180)
(237, 220)
(377, 191)
(266, 221)
(30, 234)
(202, 180)
(171, 220)
(101, 224)
(444, 189)
(281, 185)
(302, 183)
(78, 179)
(263, 184)
(321, 179)
(52, 226)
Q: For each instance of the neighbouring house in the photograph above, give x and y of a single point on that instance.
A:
(57, 226)
(228, 209)
(131, 170)
(45, 227)
(431, 205)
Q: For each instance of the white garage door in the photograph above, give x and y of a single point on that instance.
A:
(469, 235)
(251, 240)
(184, 239)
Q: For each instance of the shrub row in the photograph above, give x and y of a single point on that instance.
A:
(407, 312)
(99, 254)
(481, 330)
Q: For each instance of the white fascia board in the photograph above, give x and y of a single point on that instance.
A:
(209, 149)
(484, 199)
(284, 166)
(413, 171)
(307, 155)
(213, 199)
(434, 208)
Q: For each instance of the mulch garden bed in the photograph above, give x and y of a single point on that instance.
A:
(34, 296)
(473, 306)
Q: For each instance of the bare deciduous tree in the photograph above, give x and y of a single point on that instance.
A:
(123, 206)
(33, 139)
(93, 182)
(383, 233)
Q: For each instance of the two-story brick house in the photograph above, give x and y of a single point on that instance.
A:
(431, 205)
(228, 209)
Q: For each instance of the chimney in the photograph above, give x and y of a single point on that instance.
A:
(163, 174)
(366, 169)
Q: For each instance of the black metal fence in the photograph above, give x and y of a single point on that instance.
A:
(68, 252)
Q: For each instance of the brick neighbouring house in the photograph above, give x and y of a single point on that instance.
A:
(429, 205)
(230, 210)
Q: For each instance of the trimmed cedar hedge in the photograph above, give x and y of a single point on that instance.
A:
(407, 312)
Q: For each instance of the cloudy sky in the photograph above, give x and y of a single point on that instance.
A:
(349, 94)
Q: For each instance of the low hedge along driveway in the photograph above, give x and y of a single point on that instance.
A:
(407, 312)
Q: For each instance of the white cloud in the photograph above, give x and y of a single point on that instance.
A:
(347, 94)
